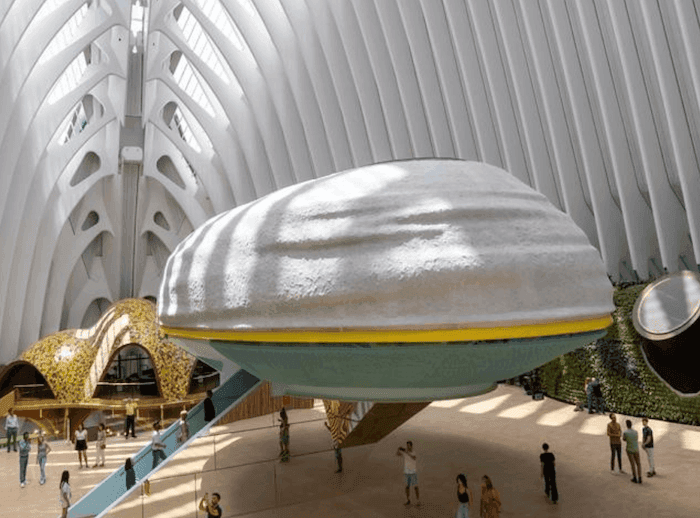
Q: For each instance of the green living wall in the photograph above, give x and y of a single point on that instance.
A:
(629, 386)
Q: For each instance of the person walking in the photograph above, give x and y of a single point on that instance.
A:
(130, 407)
(409, 471)
(64, 493)
(464, 496)
(209, 410)
(615, 433)
(631, 437)
(336, 448)
(548, 473)
(648, 445)
(25, 446)
(212, 508)
(184, 434)
(81, 444)
(157, 445)
(11, 429)
(490, 499)
(43, 450)
(100, 445)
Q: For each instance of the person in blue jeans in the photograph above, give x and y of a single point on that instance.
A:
(43, 449)
(464, 495)
(25, 446)
(11, 428)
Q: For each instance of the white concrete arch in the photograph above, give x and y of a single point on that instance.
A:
(594, 103)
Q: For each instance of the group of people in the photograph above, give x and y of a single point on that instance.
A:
(489, 506)
(81, 445)
(631, 438)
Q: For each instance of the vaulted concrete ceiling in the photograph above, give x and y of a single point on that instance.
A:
(125, 126)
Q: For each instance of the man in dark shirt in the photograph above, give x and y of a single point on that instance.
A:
(648, 445)
(549, 474)
(209, 411)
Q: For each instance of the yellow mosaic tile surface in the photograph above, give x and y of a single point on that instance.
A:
(74, 361)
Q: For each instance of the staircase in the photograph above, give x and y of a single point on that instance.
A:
(112, 490)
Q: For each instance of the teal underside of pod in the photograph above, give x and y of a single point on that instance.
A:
(394, 372)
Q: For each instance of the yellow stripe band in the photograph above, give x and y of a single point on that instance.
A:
(396, 335)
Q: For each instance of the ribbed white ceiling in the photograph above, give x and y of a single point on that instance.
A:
(595, 103)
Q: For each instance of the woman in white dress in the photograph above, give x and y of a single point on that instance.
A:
(65, 495)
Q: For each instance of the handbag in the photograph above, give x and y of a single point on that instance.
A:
(103, 446)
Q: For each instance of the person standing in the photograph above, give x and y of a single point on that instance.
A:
(130, 474)
(212, 508)
(648, 445)
(284, 435)
(631, 437)
(490, 499)
(591, 391)
(209, 410)
(336, 449)
(464, 496)
(81, 444)
(43, 449)
(157, 446)
(409, 471)
(589, 394)
(598, 397)
(548, 472)
(184, 434)
(130, 406)
(64, 495)
(615, 433)
(25, 446)
(11, 429)
(100, 445)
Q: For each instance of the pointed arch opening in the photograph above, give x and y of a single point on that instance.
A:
(131, 373)
(28, 381)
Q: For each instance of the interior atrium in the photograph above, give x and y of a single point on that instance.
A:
(131, 128)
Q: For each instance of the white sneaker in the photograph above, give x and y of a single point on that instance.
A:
(22, 484)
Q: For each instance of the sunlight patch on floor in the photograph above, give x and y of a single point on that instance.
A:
(159, 496)
(557, 417)
(690, 440)
(485, 406)
(447, 403)
(596, 425)
(522, 411)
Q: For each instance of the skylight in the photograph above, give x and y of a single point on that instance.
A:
(222, 20)
(70, 78)
(65, 36)
(183, 128)
(186, 78)
(198, 40)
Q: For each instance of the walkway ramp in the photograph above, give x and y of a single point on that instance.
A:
(112, 490)
(365, 422)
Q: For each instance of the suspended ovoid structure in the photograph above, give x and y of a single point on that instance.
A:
(402, 281)
(667, 316)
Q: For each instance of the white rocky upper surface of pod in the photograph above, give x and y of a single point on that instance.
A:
(406, 244)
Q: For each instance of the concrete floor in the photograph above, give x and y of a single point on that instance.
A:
(498, 434)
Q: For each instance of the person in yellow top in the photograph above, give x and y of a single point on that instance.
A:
(130, 405)
(615, 434)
